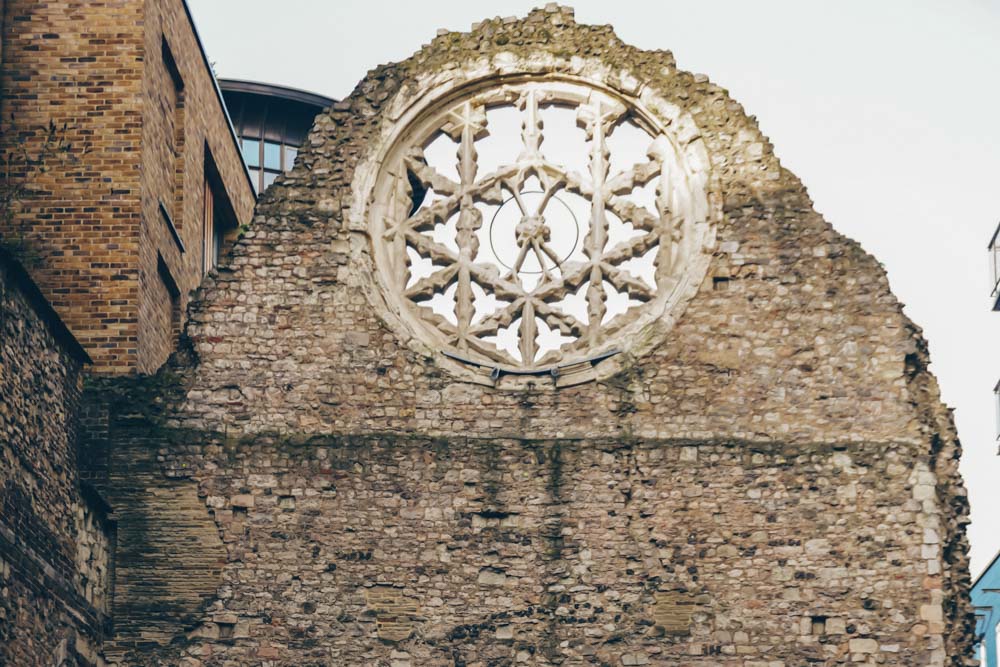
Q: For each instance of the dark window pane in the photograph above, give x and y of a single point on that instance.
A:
(251, 152)
(269, 177)
(290, 153)
(272, 155)
(255, 177)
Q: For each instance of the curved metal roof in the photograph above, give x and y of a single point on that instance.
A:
(272, 90)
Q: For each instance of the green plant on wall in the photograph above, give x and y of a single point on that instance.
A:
(20, 167)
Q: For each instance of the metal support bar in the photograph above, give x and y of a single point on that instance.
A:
(555, 371)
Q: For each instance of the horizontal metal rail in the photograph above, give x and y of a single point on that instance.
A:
(555, 371)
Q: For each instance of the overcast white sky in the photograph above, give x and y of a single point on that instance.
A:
(889, 111)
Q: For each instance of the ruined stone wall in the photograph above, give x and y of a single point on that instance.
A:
(465, 551)
(772, 483)
(50, 571)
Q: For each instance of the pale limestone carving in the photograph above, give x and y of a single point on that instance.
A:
(594, 249)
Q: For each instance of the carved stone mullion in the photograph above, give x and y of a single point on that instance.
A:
(522, 253)
(556, 319)
(546, 250)
(428, 286)
(472, 125)
(595, 117)
(624, 182)
(633, 247)
(641, 219)
(502, 288)
(531, 127)
(489, 325)
(661, 151)
(399, 268)
(491, 352)
(430, 248)
(623, 280)
(488, 189)
(527, 333)
(573, 276)
(468, 222)
(469, 219)
(427, 175)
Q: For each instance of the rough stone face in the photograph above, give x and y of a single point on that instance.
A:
(771, 481)
(54, 558)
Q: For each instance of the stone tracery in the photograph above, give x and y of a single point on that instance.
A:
(557, 282)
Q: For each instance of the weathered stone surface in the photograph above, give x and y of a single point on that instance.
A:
(54, 556)
(388, 543)
(769, 480)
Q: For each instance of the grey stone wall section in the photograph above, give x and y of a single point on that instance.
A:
(345, 550)
(774, 484)
(169, 555)
(47, 612)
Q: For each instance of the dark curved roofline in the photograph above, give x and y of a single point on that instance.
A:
(271, 90)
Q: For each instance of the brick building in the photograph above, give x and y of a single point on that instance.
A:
(124, 226)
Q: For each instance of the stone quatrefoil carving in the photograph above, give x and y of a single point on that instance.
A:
(536, 262)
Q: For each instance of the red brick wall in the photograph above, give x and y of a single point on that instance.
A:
(95, 221)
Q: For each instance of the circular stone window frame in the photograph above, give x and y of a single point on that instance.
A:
(422, 99)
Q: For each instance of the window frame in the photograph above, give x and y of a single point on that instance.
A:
(259, 171)
(220, 225)
(994, 256)
(178, 135)
(170, 283)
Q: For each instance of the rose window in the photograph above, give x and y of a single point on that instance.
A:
(534, 225)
